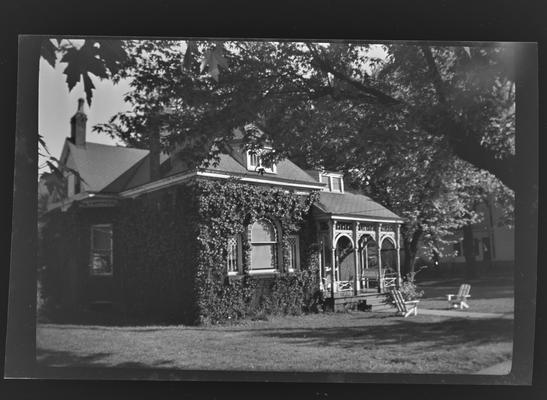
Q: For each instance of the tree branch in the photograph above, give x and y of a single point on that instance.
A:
(463, 142)
(378, 95)
(434, 73)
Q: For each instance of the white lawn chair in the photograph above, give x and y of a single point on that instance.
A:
(404, 308)
(459, 300)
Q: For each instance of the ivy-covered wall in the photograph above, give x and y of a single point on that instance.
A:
(170, 253)
(229, 208)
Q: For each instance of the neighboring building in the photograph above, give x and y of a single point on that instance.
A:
(493, 241)
(99, 251)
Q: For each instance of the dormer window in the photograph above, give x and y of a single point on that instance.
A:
(256, 163)
(334, 182)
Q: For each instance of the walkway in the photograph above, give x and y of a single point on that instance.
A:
(461, 313)
(455, 313)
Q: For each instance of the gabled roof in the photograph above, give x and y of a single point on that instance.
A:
(137, 175)
(286, 170)
(352, 205)
(99, 165)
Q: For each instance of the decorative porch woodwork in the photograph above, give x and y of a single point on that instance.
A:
(348, 266)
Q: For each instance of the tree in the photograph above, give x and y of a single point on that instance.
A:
(333, 106)
(463, 95)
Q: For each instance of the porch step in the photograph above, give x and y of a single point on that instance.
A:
(364, 302)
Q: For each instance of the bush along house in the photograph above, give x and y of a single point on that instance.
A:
(211, 244)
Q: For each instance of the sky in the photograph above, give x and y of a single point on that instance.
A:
(56, 105)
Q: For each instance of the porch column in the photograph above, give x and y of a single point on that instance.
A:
(398, 242)
(380, 281)
(332, 247)
(321, 249)
(356, 260)
(333, 271)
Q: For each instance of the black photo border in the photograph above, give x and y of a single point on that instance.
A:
(440, 21)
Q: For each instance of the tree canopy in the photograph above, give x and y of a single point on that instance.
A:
(424, 129)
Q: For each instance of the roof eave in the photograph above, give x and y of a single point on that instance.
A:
(357, 217)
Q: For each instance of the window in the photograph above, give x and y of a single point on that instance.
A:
(294, 253)
(263, 246)
(254, 162)
(234, 255)
(101, 250)
(333, 181)
(336, 184)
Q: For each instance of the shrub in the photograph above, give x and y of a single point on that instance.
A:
(409, 290)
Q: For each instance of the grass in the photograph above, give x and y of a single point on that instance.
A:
(490, 294)
(330, 342)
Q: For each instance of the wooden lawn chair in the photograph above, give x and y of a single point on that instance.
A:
(459, 300)
(404, 307)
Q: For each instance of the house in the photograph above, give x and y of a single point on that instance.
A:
(493, 241)
(195, 243)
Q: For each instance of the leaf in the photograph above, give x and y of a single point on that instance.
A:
(218, 57)
(73, 68)
(212, 59)
(112, 53)
(190, 50)
(42, 143)
(205, 60)
(48, 52)
(96, 57)
(88, 87)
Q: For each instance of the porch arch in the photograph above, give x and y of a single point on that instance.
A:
(341, 235)
(345, 262)
(388, 252)
(368, 251)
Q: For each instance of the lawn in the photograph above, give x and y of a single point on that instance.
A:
(329, 342)
(490, 294)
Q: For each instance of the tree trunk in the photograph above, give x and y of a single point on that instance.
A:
(411, 250)
(468, 252)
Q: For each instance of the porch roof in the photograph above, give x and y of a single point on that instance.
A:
(353, 205)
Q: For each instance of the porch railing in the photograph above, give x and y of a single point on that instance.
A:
(389, 280)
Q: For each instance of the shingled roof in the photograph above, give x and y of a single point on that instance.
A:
(286, 170)
(352, 205)
(99, 164)
(114, 168)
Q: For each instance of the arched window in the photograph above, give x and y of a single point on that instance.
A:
(263, 246)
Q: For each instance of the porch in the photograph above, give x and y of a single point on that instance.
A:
(359, 258)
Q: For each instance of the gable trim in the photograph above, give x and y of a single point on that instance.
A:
(173, 180)
(157, 185)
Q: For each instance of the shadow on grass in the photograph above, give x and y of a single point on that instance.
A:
(443, 335)
(58, 358)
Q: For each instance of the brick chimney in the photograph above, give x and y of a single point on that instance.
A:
(77, 125)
